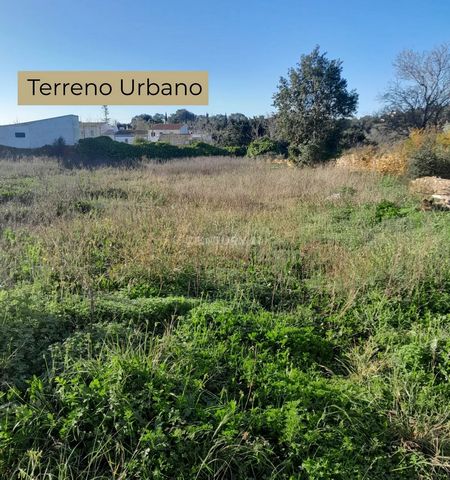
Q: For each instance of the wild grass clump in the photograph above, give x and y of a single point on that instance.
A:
(221, 318)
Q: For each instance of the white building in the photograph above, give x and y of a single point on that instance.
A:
(129, 136)
(158, 129)
(96, 129)
(41, 132)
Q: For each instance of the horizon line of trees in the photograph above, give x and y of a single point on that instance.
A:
(315, 110)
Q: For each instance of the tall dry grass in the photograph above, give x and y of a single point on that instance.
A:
(221, 223)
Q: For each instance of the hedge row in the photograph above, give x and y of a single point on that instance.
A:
(105, 148)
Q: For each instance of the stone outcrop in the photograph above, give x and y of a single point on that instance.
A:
(437, 191)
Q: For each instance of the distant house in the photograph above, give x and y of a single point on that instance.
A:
(129, 136)
(41, 132)
(96, 129)
(156, 130)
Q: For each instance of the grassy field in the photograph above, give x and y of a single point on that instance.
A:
(221, 318)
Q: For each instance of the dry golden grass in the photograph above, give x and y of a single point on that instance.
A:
(393, 161)
(189, 224)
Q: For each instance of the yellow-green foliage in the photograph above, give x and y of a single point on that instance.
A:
(397, 159)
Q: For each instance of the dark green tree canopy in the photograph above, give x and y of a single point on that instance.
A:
(311, 101)
(182, 116)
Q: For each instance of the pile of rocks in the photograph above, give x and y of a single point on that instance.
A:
(437, 191)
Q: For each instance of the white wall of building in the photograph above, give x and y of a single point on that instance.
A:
(41, 132)
(95, 129)
(124, 138)
(154, 132)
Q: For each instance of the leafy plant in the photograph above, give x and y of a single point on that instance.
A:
(265, 146)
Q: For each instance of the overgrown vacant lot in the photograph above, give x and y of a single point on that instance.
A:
(221, 318)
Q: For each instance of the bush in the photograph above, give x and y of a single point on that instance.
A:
(308, 154)
(200, 149)
(432, 158)
(59, 147)
(236, 151)
(423, 153)
(386, 209)
(140, 141)
(265, 146)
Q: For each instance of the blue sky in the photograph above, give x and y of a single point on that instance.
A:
(245, 45)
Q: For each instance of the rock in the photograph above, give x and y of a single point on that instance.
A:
(436, 202)
(437, 189)
(442, 202)
(430, 186)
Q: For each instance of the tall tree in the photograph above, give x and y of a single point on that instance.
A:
(236, 131)
(260, 126)
(310, 103)
(420, 95)
(182, 116)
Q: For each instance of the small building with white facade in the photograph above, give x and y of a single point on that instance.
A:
(38, 133)
(96, 129)
(158, 129)
(129, 136)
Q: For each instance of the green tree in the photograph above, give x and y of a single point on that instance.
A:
(311, 102)
(236, 131)
(182, 116)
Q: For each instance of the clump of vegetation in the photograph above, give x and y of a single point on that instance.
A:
(265, 146)
(104, 150)
(19, 190)
(429, 154)
(422, 153)
(386, 209)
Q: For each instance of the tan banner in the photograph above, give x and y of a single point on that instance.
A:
(113, 88)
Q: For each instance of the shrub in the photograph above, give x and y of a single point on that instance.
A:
(200, 149)
(423, 153)
(140, 141)
(431, 158)
(236, 151)
(309, 154)
(386, 209)
(265, 146)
